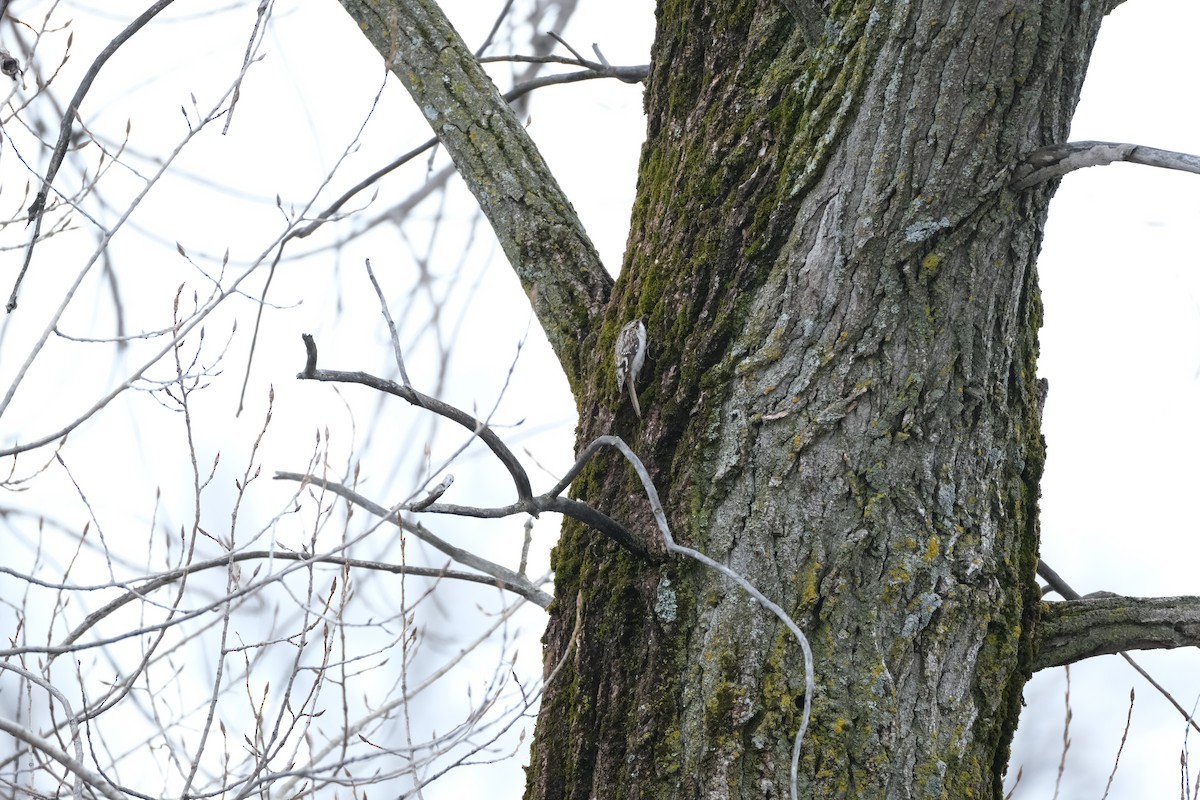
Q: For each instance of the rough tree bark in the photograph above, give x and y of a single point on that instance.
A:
(838, 282)
(843, 310)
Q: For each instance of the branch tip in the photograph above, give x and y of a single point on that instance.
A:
(310, 349)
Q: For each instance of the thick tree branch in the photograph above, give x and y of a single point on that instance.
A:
(1057, 584)
(1073, 630)
(1057, 160)
(539, 231)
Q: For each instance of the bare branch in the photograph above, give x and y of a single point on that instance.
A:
(551, 501)
(421, 400)
(432, 495)
(93, 779)
(546, 502)
(602, 69)
(1059, 585)
(565, 44)
(254, 37)
(64, 135)
(1056, 582)
(500, 576)
(397, 351)
(1121, 749)
(71, 720)
(634, 74)
(526, 502)
(540, 233)
(521, 586)
(1057, 160)
(1073, 630)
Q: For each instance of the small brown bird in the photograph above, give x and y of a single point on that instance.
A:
(630, 356)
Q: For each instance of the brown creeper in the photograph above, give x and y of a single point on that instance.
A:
(631, 355)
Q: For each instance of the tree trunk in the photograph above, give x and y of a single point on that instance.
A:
(839, 403)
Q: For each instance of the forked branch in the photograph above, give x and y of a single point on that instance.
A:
(421, 400)
(526, 502)
(1051, 633)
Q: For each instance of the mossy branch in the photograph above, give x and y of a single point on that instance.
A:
(1073, 630)
(535, 223)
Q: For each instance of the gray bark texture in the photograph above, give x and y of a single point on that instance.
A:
(838, 281)
(839, 402)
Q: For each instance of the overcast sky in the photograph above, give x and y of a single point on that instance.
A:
(1119, 270)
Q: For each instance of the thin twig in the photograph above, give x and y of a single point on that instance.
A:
(258, 317)
(38, 206)
(496, 575)
(72, 720)
(546, 59)
(634, 74)
(1187, 716)
(93, 779)
(526, 542)
(491, 37)
(432, 495)
(1121, 748)
(391, 328)
(517, 584)
(565, 44)
(1066, 735)
(1017, 782)
(237, 87)
(52, 325)
(421, 400)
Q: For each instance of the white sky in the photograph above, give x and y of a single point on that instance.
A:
(1121, 343)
